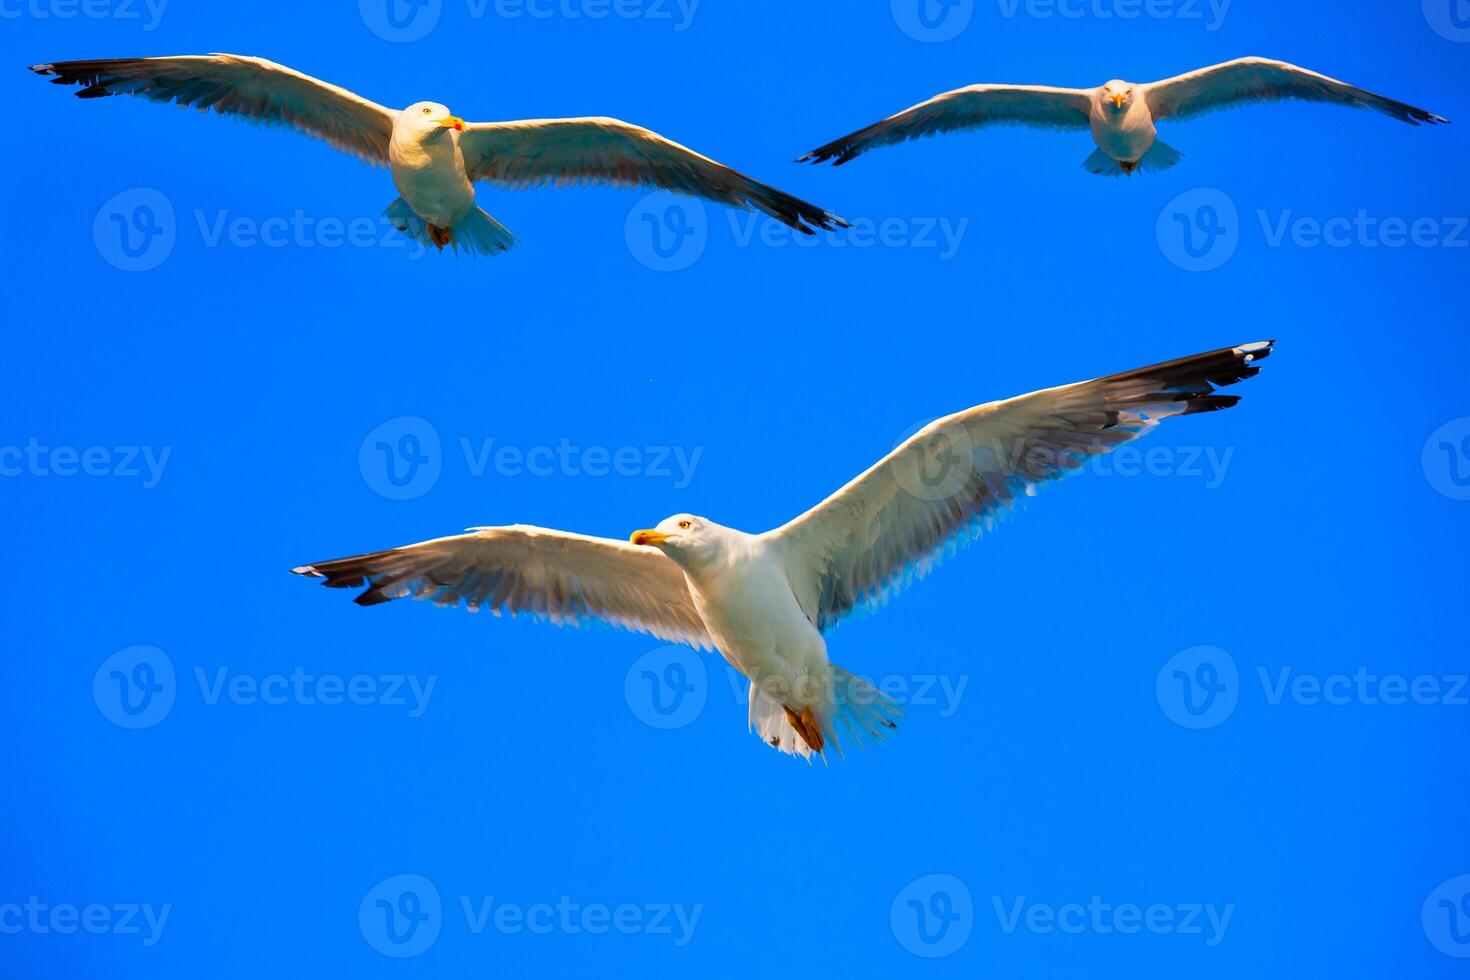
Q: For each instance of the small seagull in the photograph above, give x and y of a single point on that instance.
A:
(1120, 114)
(435, 157)
(765, 601)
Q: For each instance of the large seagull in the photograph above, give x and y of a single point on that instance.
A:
(435, 157)
(765, 601)
(1121, 115)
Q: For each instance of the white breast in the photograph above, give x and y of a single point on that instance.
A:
(750, 613)
(431, 177)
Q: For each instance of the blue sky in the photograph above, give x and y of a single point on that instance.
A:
(1190, 713)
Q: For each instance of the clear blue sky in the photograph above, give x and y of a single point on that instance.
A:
(176, 438)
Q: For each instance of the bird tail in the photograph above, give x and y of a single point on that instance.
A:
(476, 233)
(852, 707)
(1160, 156)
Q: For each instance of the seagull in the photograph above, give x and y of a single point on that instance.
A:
(1120, 114)
(435, 157)
(766, 601)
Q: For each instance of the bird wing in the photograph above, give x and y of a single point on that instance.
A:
(259, 90)
(562, 577)
(966, 108)
(532, 152)
(941, 487)
(1261, 79)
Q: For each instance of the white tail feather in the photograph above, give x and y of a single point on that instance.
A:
(854, 709)
(475, 234)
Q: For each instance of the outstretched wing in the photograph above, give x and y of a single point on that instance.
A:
(562, 577)
(942, 486)
(259, 90)
(1261, 79)
(530, 152)
(965, 108)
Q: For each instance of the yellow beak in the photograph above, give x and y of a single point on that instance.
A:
(648, 537)
(452, 122)
(1118, 99)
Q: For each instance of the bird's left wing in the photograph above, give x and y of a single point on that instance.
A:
(965, 108)
(532, 152)
(237, 85)
(941, 487)
(559, 576)
(1262, 79)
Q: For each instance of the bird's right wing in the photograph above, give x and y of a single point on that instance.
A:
(942, 486)
(562, 577)
(966, 108)
(254, 88)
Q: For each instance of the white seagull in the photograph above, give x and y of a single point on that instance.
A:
(435, 157)
(764, 601)
(1120, 114)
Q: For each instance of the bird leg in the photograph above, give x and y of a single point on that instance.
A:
(439, 236)
(807, 727)
(1128, 166)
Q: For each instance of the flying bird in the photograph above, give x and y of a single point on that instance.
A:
(765, 601)
(1121, 115)
(434, 156)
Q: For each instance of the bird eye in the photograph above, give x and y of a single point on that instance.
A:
(684, 525)
(427, 111)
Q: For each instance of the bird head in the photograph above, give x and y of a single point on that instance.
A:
(1116, 95)
(430, 119)
(681, 537)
